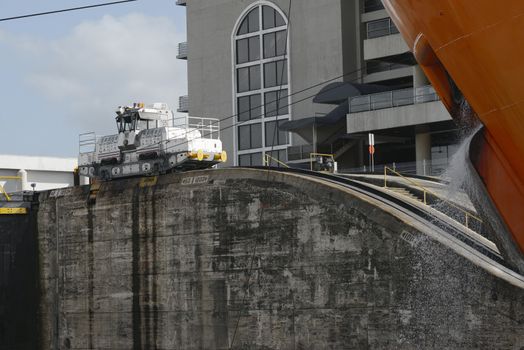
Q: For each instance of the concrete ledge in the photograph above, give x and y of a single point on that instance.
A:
(373, 16)
(384, 46)
(422, 113)
(389, 74)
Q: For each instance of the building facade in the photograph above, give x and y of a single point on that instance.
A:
(291, 79)
(19, 173)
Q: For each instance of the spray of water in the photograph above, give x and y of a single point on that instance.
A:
(444, 284)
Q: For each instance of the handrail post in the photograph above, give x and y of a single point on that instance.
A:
(425, 200)
(467, 220)
(385, 176)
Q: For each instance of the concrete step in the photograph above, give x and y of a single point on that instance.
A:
(404, 192)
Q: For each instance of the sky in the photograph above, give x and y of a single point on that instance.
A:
(65, 74)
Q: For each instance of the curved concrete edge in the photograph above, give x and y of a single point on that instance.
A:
(219, 176)
(452, 243)
(472, 234)
(428, 229)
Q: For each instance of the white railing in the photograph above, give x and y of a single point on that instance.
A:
(394, 98)
(209, 128)
(425, 167)
(87, 142)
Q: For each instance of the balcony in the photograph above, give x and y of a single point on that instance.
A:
(183, 104)
(373, 5)
(393, 109)
(381, 27)
(384, 46)
(394, 98)
(182, 51)
(181, 2)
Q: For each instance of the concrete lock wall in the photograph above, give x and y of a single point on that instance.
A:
(19, 292)
(227, 259)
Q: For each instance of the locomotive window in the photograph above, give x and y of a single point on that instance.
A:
(126, 123)
(143, 124)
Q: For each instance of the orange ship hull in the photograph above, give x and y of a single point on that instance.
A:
(480, 45)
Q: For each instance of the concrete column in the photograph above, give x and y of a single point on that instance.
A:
(419, 78)
(423, 152)
(24, 186)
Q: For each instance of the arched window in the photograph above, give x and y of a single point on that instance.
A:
(261, 85)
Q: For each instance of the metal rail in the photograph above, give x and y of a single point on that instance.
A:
(267, 161)
(410, 209)
(425, 192)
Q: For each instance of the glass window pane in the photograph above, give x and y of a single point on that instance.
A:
(254, 77)
(269, 45)
(253, 21)
(281, 43)
(270, 104)
(270, 74)
(254, 48)
(256, 108)
(256, 135)
(243, 27)
(256, 159)
(242, 51)
(243, 79)
(282, 155)
(244, 160)
(279, 20)
(244, 138)
(271, 135)
(281, 72)
(282, 135)
(283, 104)
(243, 108)
(269, 17)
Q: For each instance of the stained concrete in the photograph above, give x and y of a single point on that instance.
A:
(249, 259)
(18, 282)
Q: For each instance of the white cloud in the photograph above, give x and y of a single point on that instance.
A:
(103, 64)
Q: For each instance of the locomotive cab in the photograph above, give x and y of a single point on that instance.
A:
(131, 120)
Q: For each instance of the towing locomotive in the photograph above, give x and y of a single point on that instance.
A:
(149, 143)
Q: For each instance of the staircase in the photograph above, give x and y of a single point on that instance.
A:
(405, 193)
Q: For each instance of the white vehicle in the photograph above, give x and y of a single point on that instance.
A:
(149, 143)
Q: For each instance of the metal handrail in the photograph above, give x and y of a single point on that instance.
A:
(267, 161)
(426, 191)
(392, 98)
